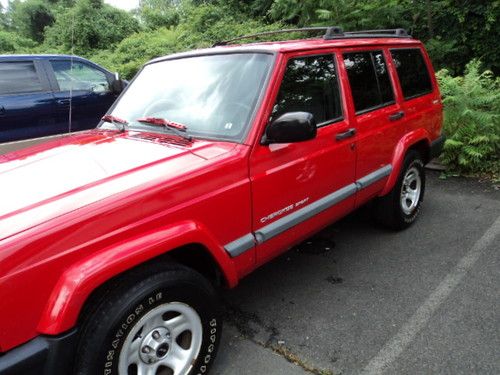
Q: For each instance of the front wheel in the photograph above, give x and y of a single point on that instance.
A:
(401, 206)
(156, 322)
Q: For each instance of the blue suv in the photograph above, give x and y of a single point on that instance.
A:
(36, 92)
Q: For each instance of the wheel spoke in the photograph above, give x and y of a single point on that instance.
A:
(176, 359)
(153, 323)
(177, 325)
(152, 369)
(142, 368)
(133, 358)
(134, 346)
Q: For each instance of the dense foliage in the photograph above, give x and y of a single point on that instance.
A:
(472, 120)
(454, 31)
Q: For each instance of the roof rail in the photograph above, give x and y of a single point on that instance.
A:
(398, 33)
(331, 32)
(328, 31)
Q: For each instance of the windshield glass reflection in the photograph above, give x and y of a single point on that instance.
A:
(213, 96)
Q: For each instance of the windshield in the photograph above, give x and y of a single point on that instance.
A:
(213, 96)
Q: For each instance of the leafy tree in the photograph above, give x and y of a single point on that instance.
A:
(3, 18)
(30, 18)
(456, 30)
(159, 13)
(203, 25)
(88, 26)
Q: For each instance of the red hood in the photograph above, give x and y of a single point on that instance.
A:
(51, 179)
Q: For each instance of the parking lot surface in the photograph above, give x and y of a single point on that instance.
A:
(358, 299)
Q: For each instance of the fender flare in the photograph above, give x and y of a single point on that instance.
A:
(80, 279)
(404, 144)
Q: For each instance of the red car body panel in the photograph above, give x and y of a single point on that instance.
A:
(78, 281)
(80, 210)
(282, 174)
(41, 241)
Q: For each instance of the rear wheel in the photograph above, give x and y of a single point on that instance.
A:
(401, 206)
(164, 321)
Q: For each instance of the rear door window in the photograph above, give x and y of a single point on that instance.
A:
(310, 85)
(369, 80)
(412, 72)
(19, 78)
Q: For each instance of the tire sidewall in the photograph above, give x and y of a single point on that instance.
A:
(152, 295)
(412, 160)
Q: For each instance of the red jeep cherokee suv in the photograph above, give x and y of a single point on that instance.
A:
(210, 164)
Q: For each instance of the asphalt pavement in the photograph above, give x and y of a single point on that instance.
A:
(358, 299)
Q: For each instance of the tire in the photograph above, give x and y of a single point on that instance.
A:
(147, 320)
(395, 210)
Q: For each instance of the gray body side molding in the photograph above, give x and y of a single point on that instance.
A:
(248, 241)
(285, 223)
(240, 245)
(374, 177)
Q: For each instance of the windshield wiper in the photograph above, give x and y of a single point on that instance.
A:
(178, 129)
(116, 121)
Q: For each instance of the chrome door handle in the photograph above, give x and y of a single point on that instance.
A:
(347, 134)
(396, 116)
(63, 101)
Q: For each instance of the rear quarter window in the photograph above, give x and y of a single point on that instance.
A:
(19, 78)
(412, 72)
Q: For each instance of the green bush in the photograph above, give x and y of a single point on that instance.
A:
(88, 26)
(472, 120)
(13, 43)
(131, 53)
(200, 26)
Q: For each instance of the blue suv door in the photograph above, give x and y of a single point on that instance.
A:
(86, 86)
(26, 101)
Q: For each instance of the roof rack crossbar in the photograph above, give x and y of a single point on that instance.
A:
(331, 32)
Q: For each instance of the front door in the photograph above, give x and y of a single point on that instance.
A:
(86, 88)
(297, 188)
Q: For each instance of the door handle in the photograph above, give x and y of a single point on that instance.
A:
(347, 134)
(63, 101)
(396, 116)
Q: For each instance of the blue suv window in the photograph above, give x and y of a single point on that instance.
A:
(78, 76)
(19, 77)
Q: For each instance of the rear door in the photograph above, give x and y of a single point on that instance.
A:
(420, 95)
(378, 117)
(86, 87)
(299, 187)
(26, 101)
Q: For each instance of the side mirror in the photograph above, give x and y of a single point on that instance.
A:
(118, 84)
(290, 127)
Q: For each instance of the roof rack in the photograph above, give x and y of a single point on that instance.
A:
(331, 32)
